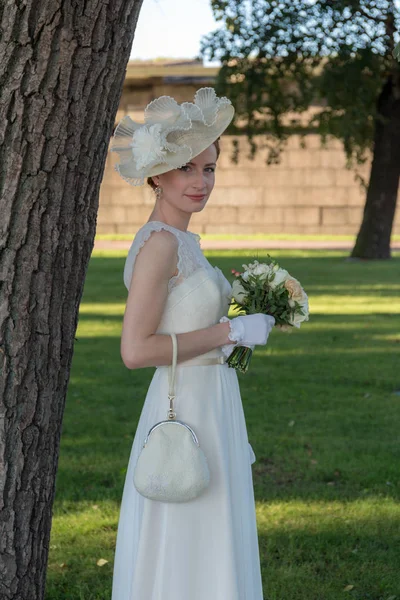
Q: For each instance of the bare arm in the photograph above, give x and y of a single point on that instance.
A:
(140, 346)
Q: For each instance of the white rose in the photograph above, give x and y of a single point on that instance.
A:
(245, 275)
(297, 318)
(280, 276)
(305, 308)
(238, 291)
(253, 264)
(263, 270)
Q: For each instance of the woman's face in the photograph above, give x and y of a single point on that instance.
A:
(196, 178)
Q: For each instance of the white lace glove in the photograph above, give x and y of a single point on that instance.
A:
(248, 330)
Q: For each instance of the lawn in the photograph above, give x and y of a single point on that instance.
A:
(298, 237)
(322, 407)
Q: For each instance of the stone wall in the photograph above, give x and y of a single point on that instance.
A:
(310, 191)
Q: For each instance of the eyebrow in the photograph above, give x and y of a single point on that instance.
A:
(206, 165)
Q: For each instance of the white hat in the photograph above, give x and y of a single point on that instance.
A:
(171, 135)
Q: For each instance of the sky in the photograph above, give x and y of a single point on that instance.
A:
(172, 28)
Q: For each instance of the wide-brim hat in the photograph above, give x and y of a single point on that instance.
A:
(171, 135)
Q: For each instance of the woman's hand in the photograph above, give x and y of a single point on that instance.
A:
(248, 330)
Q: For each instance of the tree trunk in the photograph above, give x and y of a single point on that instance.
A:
(61, 75)
(373, 240)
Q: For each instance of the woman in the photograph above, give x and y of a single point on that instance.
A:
(206, 548)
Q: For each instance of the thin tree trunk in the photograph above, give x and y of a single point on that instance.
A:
(61, 75)
(373, 240)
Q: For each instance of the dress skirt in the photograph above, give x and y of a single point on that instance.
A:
(207, 548)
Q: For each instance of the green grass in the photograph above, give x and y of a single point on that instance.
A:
(254, 236)
(322, 407)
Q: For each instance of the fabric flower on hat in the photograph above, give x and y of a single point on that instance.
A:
(171, 117)
(206, 105)
(147, 145)
(168, 113)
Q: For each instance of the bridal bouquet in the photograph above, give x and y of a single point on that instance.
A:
(269, 289)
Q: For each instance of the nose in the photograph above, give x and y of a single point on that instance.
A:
(200, 183)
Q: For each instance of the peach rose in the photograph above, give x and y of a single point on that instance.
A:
(294, 288)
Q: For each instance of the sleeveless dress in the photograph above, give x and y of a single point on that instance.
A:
(207, 548)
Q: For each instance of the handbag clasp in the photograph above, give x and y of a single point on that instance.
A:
(171, 414)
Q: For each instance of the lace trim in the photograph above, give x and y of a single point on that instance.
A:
(236, 335)
(185, 265)
(236, 329)
(196, 236)
(130, 180)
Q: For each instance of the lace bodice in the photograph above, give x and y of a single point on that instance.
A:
(190, 256)
(198, 295)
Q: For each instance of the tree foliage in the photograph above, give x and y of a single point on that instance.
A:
(281, 57)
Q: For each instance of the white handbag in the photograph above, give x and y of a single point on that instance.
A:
(171, 466)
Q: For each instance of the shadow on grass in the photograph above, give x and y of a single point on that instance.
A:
(317, 401)
(301, 554)
(322, 412)
(315, 417)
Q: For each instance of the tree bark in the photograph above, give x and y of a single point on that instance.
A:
(61, 75)
(373, 239)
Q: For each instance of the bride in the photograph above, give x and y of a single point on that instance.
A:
(205, 548)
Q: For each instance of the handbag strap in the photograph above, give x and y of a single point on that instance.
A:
(171, 376)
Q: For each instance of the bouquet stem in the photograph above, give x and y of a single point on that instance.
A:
(240, 358)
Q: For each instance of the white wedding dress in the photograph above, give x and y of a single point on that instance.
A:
(207, 548)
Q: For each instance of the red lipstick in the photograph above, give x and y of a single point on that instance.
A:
(196, 197)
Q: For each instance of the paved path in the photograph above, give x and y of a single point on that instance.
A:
(249, 244)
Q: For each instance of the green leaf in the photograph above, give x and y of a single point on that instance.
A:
(396, 52)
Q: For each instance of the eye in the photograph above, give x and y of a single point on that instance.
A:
(212, 169)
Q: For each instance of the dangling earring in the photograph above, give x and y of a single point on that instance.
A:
(158, 191)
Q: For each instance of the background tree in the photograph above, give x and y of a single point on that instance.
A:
(284, 56)
(61, 75)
